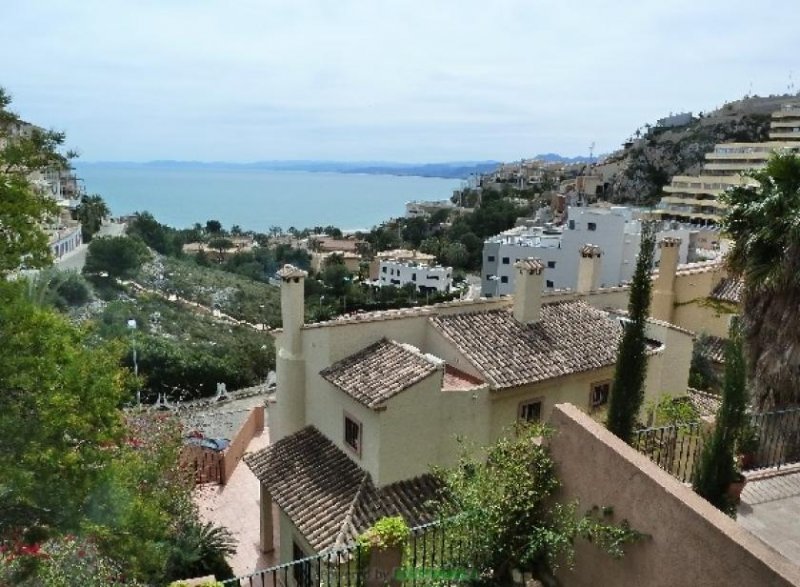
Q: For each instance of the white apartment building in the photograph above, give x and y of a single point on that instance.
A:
(615, 231)
(426, 278)
(424, 209)
(695, 198)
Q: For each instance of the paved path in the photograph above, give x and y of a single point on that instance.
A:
(770, 509)
(75, 260)
(236, 506)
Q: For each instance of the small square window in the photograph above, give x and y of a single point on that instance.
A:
(551, 264)
(383, 269)
(592, 226)
(530, 411)
(549, 283)
(506, 260)
(599, 394)
(352, 434)
(490, 259)
(504, 279)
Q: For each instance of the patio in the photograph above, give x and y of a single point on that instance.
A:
(770, 509)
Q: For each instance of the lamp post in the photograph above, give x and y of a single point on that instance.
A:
(132, 327)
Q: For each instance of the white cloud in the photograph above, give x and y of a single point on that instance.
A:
(410, 80)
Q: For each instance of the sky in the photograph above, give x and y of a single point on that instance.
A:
(381, 80)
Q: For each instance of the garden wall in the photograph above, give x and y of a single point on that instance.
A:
(689, 543)
(233, 454)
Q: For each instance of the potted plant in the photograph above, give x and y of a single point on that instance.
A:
(747, 447)
(383, 545)
(735, 486)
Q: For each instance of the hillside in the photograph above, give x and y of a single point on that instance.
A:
(654, 155)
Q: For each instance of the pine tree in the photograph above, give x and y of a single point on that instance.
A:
(627, 393)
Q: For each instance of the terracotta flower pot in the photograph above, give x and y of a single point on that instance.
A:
(383, 565)
(735, 489)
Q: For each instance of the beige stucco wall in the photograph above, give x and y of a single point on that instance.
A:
(693, 310)
(668, 367)
(326, 408)
(288, 534)
(690, 542)
(420, 426)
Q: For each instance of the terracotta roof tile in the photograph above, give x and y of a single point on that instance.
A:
(706, 404)
(289, 271)
(327, 496)
(712, 347)
(569, 337)
(532, 265)
(728, 290)
(379, 371)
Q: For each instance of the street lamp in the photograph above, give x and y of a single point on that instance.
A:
(132, 327)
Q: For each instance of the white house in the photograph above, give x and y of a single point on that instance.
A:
(614, 230)
(425, 278)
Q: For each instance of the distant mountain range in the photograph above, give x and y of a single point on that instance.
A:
(448, 169)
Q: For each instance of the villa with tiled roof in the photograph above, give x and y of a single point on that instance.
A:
(366, 405)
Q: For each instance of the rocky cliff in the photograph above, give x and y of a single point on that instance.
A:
(654, 154)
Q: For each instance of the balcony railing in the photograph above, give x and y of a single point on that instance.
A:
(677, 449)
(433, 555)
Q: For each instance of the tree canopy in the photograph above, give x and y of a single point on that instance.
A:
(24, 150)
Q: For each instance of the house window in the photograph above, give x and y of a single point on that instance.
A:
(506, 260)
(549, 283)
(504, 279)
(599, 394)
(352, 434)
(383, 269)
(490, 259)
(413, 277)
(530, 411)
(592, 226)
(572, 225)
(551, 264)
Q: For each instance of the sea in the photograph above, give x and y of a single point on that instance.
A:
(258, 199)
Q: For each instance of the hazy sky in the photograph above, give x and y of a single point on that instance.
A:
(406, 80)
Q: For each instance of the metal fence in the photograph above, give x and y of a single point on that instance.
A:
(677, 449)
(433, 555)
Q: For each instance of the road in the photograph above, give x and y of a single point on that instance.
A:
(75, 260)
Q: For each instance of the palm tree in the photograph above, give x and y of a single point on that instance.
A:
(91, 212)
(763, 221)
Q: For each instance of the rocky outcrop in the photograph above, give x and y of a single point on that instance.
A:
(648, 161)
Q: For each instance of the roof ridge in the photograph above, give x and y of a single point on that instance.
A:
(347, 522)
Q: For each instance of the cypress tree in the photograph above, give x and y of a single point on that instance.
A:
(627, 393)
(716, 469)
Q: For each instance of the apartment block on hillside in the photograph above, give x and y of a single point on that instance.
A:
(695, 199)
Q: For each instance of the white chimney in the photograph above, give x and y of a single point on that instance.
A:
(528, 290)
(588, 268)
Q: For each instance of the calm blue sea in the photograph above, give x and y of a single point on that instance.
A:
(256, 199)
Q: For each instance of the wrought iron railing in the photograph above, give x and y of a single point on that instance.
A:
(432, 556)
(677, 449)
